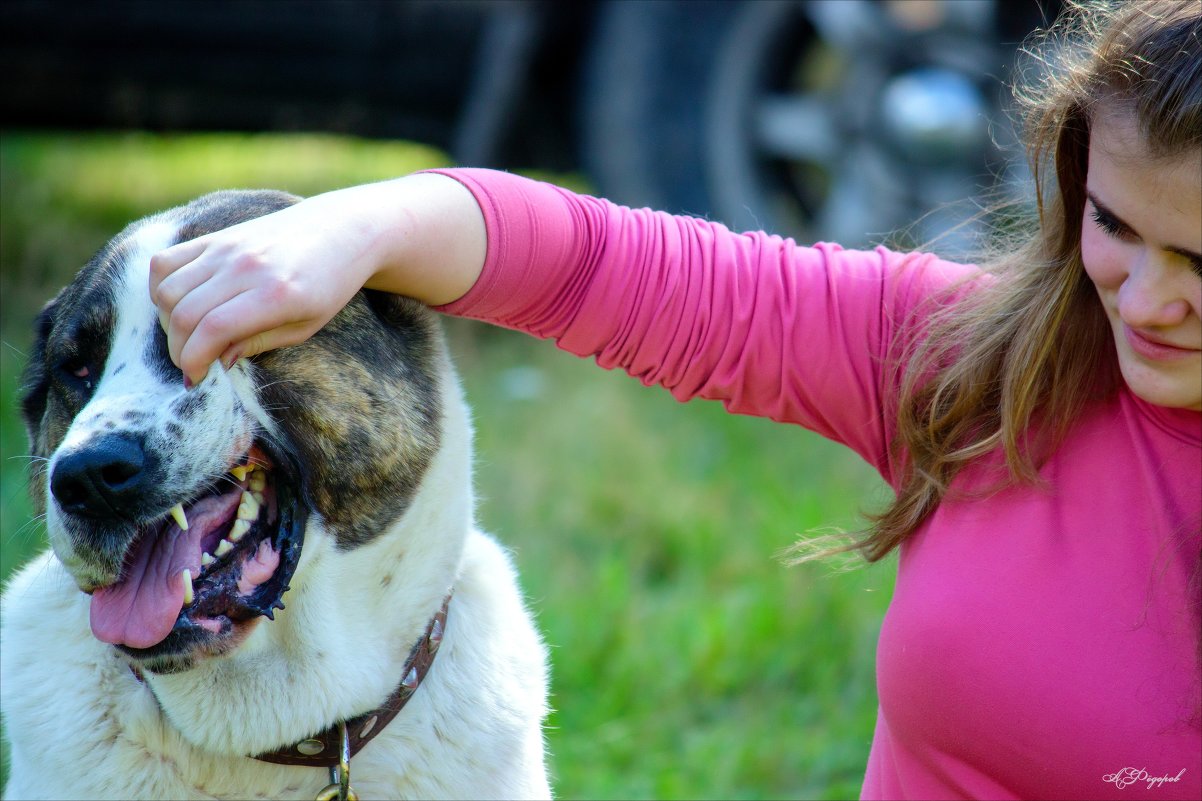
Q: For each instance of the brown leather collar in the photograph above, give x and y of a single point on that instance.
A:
(321, 750)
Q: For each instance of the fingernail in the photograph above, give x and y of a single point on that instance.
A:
(228, 361)
(188, 382)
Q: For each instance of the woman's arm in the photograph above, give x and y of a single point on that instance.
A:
(275, 280)
(770, 328)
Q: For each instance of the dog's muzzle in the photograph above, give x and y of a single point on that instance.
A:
(190, 573)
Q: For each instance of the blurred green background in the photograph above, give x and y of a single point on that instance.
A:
(687, 661)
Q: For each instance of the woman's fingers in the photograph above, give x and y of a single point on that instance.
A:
(166, 263)
(175, 273)
(263, 341)
(180, 283)
(197, 342)
(197, 302)
(218, 292)
(245, 324)
(264, 283)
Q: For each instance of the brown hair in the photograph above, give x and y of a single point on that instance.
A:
(1008, 369)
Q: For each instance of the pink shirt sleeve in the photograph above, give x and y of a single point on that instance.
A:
(770, 328)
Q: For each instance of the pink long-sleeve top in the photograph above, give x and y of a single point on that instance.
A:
(1041, 642)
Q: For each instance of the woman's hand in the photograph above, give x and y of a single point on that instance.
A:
(275, 280)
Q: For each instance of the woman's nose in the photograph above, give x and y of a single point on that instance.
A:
(1149, 296)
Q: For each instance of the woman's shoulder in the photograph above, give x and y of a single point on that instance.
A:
(917, 281)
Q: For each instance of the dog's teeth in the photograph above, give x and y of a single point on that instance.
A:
(206, 559)
(177, 514)
(239, 530)
(240, 471)
(248, 507)
(258, 481)
(187, 574)
(224, 547)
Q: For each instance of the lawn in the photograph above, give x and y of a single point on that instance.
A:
(687, 661)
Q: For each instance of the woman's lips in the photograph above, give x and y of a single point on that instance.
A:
(1154, 349)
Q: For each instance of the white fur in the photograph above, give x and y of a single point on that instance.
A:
(82, 726)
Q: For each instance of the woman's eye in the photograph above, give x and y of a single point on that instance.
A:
(1108, 224)
(1119, 230)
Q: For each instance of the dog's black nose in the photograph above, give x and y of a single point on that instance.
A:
(107, 478)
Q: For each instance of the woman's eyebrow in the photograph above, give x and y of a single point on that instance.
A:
(1106, 211)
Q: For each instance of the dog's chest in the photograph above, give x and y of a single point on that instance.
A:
(80, 724)
(161, 765)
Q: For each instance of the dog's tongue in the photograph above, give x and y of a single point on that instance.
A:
(140, 609)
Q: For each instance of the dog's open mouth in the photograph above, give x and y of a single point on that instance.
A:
(216, 561)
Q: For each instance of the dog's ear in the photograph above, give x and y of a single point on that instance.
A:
(35, 379)
(35, 385)
(397, 312)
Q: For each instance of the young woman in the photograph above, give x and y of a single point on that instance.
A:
(1040, 419)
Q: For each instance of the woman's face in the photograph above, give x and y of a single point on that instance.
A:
(1141, 242)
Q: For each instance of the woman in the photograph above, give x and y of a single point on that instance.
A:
(1039, 420)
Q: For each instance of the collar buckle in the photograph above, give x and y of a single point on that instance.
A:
(340, 775)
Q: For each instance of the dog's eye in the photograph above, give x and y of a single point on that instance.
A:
(79, 373)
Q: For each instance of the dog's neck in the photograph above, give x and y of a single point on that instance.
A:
(329, 748)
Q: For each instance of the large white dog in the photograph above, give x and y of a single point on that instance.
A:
(248, 577)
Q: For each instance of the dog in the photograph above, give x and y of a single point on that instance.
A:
(248, 578)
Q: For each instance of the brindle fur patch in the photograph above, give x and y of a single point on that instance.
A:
(359, 405)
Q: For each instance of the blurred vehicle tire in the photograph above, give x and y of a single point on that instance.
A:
(643, 101)
(840, 119)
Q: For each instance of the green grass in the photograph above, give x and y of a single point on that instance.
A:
(687, 662)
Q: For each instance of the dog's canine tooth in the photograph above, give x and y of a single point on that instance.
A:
(248, 507)
(188, 594)
(224, 547)
(241, 470)
(239, 530)
(177, 514)
(207, 559)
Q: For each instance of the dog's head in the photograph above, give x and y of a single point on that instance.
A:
(183, 512)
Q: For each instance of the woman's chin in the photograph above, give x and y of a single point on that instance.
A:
(1173, 386)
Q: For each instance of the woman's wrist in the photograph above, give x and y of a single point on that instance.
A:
(425, 237)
